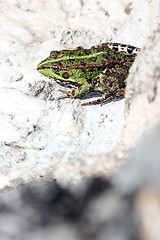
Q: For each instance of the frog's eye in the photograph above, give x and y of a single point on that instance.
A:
(53, 54)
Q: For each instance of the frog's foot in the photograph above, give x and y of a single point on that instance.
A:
(106, 98)
(67, 94)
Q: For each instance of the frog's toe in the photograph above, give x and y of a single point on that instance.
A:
(67, 94)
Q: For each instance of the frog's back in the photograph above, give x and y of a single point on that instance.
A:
(99, 55)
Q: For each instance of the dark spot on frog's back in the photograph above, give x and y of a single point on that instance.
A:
(104, 56)
(99, 48)
(115, 47)
(89, 80)
(110, 83)
(123, 46)
(103, 62)
(83, 63)
(80, 54)
(130, 50)
(71, 61)
(93, 59)
(87, 52)
(83, 70)
(65, 75)
(79, 48)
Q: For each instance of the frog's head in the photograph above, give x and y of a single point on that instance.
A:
(48, 67)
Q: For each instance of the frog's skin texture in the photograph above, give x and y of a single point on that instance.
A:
(102, 68)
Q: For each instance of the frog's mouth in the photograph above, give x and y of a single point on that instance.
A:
(46, 71)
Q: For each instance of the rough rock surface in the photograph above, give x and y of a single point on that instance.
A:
(43, 139)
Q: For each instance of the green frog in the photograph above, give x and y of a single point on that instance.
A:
(103, 68)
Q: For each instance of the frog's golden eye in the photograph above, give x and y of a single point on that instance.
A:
(53, 54)
(65, 75)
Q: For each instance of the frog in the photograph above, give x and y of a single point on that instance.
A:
(103, 68)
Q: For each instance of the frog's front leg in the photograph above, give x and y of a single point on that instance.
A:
(77, 92)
